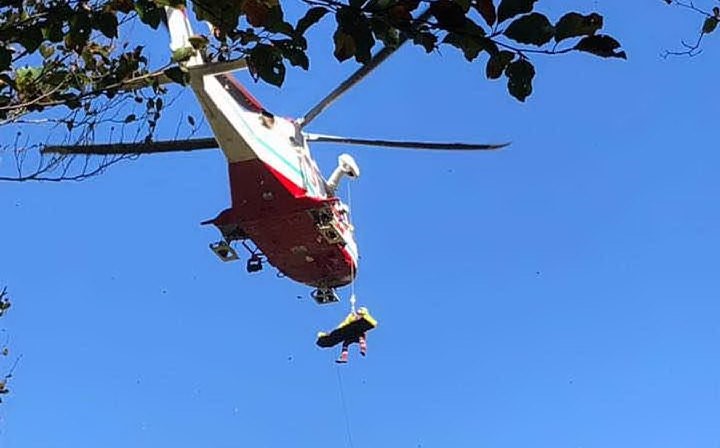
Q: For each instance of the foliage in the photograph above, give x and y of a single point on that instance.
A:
(64, 53)
(4, 350)
(708, 25)
(56, 53)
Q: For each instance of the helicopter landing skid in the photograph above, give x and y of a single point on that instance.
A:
(323, 296)
(224, 251)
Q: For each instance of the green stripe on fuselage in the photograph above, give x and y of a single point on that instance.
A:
(295, 168)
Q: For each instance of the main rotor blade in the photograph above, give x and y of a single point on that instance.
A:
(404, 144)
(134, 148)
(356, 77)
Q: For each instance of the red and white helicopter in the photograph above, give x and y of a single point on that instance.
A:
(283, 210)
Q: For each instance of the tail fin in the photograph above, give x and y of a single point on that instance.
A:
(180, 32)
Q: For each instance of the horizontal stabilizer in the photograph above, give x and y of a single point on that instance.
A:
(197, 71)
(134, 148)
(218, 68)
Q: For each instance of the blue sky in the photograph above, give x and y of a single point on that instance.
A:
(560, 293)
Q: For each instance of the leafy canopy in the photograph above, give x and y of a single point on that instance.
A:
(67, 52)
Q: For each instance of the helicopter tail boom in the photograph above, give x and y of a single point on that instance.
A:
(180, 33)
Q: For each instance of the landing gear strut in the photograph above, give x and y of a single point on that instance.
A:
(254, 264)
(256, 260)
(324, 295)
(224, 251)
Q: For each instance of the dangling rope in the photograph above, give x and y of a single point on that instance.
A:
(345, 410)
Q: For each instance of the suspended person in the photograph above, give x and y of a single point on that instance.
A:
(352, 330)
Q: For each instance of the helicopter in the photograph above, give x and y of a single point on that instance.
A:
(283, 211)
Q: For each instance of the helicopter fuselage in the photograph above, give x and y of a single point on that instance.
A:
(279, 198)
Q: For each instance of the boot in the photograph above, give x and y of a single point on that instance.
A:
(343, 357)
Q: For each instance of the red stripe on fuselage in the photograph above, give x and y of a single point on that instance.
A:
(240, 93)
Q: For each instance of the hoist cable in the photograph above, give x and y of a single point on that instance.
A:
(353, 268)
(345, 409)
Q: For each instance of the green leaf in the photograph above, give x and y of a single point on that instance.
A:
(171, 3)
(520, 75)
(183, 54)
(106, 23)
(427, 40)
(511, 8)
(375, 6)
(354, 23)
(124, 6)
(364, 40)
(256, 12)
(450, 15)
(31, 38)
(710, 25)
(497, 64)
(177, 75)
(469, 45)
(46, 51)
(276, 23)
(267, 63)
(53, 32)
(486, 8)
(460, 42)
(472, 29)
(223, 14)
(28, 74)
(130, 118)
(293, 52)
(573, 24)
(344, 46)
(464, 4)
(5, 58)
(385, 33)
(150, 13)
(533, 29)
(454, 39)
(280, 27)
(310, 18)
(299, 59)
(399, 15)
(198, 42)
(80, 27)
(601, 45)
